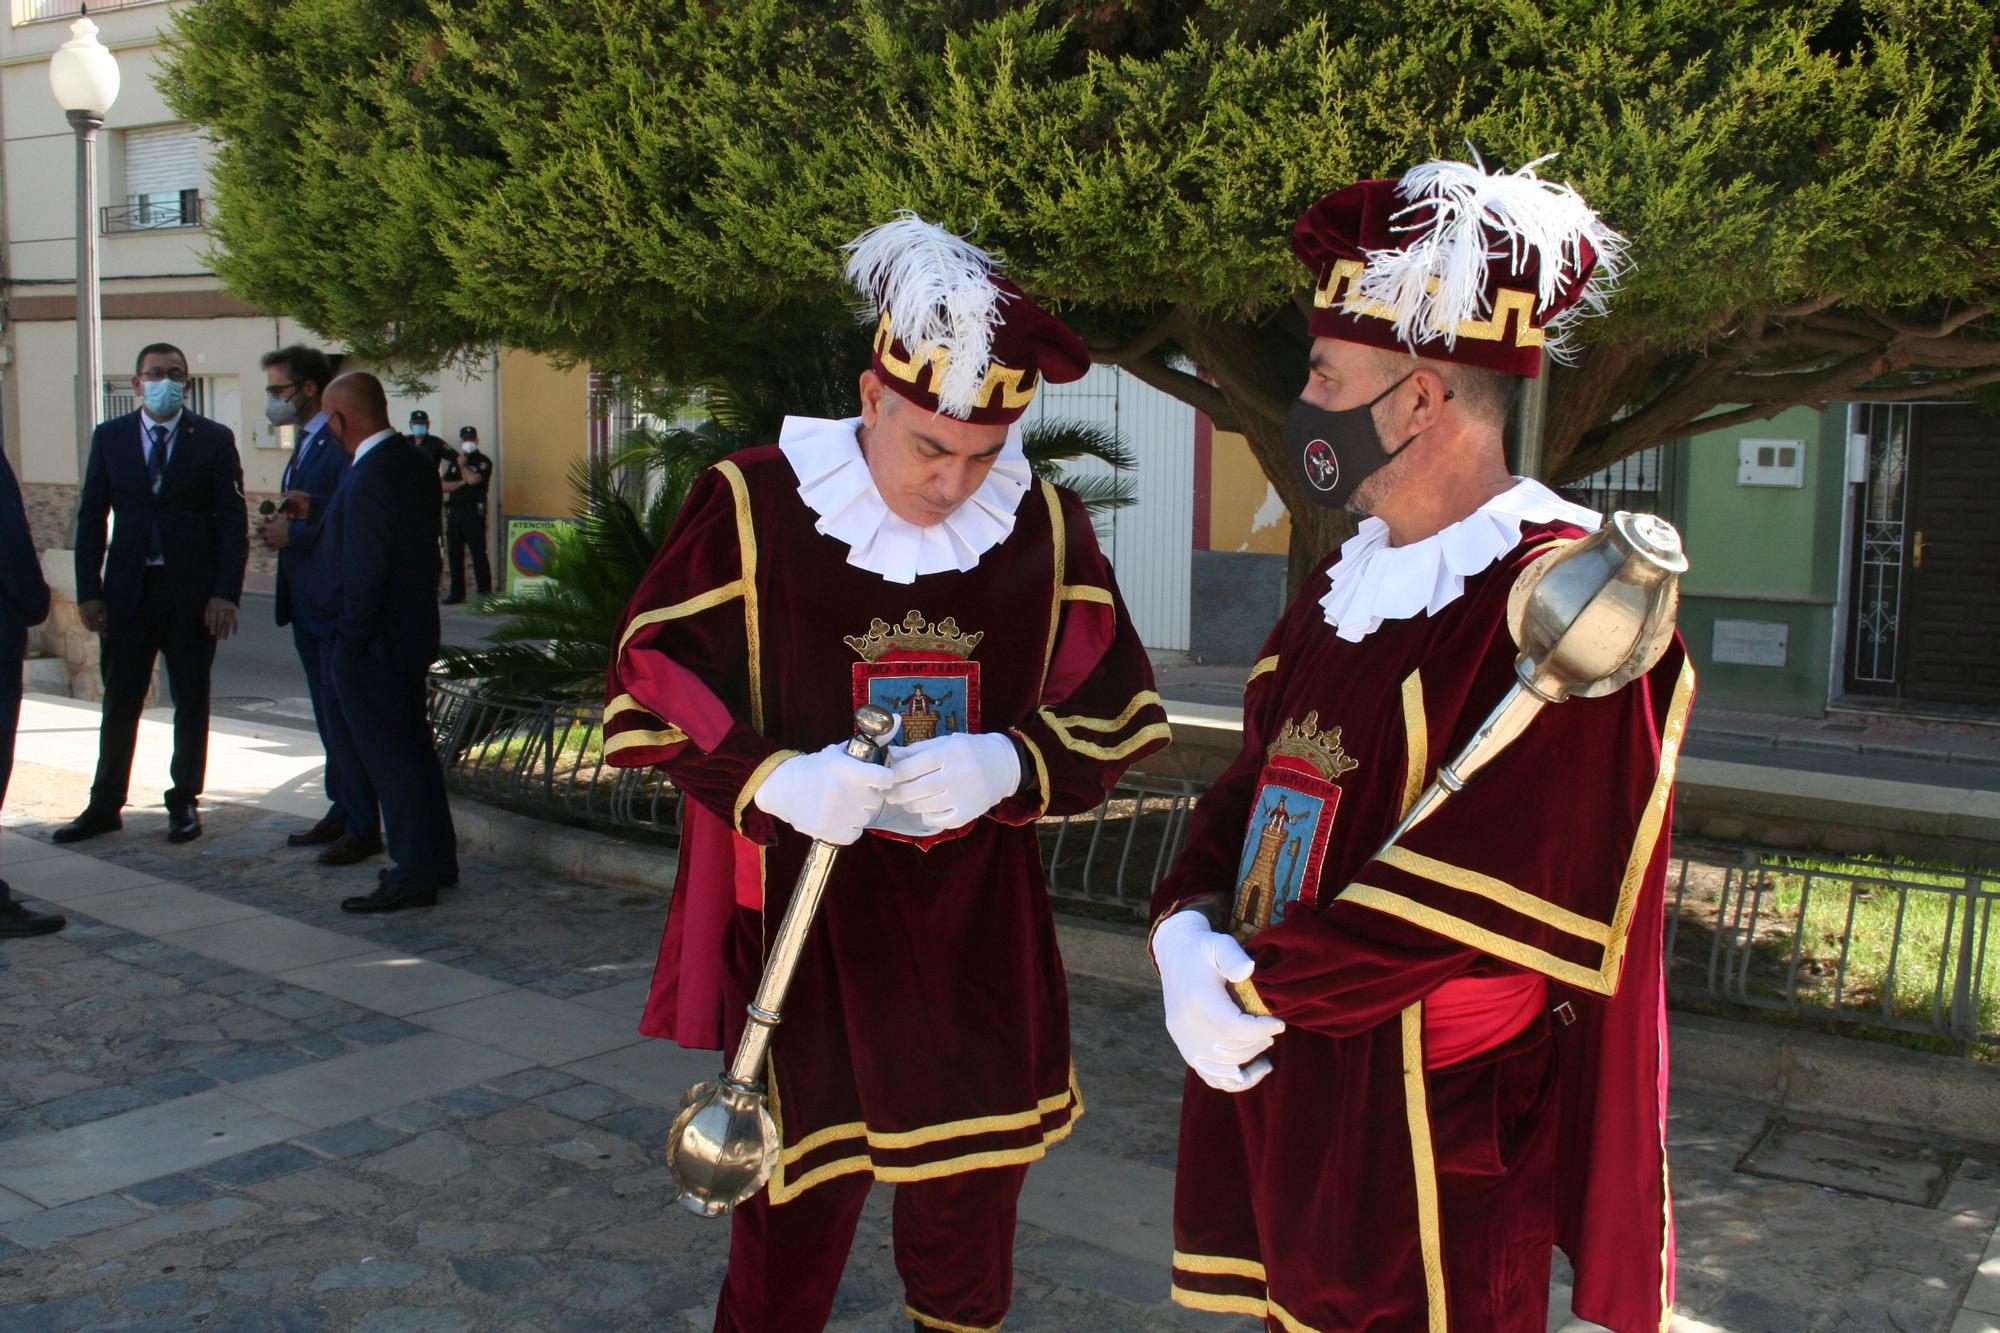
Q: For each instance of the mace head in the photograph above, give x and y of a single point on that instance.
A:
(1598, 613)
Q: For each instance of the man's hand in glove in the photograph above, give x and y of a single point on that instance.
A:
(948, 782)
(828, 795)
(1220, 1042)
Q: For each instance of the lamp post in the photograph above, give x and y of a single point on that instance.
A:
(84, 77)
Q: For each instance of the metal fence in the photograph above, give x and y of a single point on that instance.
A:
(545, 757)
(1888, 947)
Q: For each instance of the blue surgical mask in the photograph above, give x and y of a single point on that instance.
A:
(418, 432)
(163, 397)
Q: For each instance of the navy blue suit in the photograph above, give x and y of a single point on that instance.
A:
(318, 467)
(197, 525)
(379, 565)
(24, 603)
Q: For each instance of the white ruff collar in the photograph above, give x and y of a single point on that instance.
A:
(835, 483)
(1374, 581)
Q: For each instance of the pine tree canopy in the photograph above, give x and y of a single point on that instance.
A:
(1810, 188)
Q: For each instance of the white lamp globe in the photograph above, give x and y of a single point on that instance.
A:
(83, 73)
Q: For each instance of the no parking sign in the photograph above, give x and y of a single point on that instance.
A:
(529, 541)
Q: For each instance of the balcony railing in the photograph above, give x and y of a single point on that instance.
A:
(43, 11)
(154, 212)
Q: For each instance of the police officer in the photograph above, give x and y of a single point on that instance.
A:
(420, 431)
(465, 480)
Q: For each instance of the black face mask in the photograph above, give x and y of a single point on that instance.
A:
(1337, 451)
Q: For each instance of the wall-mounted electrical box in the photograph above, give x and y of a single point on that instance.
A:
(1770, 462)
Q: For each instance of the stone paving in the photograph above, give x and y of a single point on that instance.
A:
(226, 1105)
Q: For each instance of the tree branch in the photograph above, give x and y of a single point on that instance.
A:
(1109, 353)
(1944, 328)
(1190, 389)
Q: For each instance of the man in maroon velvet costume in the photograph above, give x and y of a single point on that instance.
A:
(1425, 1066)
(907, 559)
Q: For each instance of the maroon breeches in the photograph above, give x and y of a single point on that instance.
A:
(954, 1242)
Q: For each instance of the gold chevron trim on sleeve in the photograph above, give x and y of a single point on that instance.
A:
(629, 740)
(700, 602)
(1265, 666)
(1143, 699)
(1086, 592)
(1500, 946)
(756, 780)
(1125, 749)
(1499, 891)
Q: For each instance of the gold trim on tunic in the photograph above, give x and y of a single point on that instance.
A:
(1416, 1103)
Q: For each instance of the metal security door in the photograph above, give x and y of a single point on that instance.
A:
(1150, 543)
(1952, 653)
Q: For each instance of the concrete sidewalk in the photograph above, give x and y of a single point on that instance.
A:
(227, 1105)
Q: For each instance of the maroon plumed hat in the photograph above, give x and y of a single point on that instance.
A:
(1457, 264)
(951, 334)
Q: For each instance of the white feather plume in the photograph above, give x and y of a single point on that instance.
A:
(938, 289)
(1465, 216)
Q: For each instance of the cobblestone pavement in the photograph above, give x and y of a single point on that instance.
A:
(226, 1105)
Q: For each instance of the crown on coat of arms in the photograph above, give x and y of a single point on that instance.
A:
(1304, 740)
(914, 635)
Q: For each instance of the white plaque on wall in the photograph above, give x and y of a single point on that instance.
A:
(1750, 642)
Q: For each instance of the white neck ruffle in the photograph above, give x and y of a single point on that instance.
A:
(1374, 581)
(835, 483)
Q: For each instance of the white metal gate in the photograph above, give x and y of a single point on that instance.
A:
(1150, 543)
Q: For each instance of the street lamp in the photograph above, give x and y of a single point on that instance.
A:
(85, 78)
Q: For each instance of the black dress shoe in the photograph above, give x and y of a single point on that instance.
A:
(386, 899)
(17, 921)
(327, 830)
(351, 847)
(183, 824)
(89, 824)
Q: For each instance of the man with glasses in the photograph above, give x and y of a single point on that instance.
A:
(168, 583)
(294, 378)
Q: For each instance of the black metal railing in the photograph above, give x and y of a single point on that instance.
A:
(1895, 947)
(156, 212)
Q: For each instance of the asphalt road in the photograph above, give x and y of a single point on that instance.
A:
(257, 674)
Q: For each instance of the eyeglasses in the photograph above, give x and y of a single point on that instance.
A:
(279, 390)
(155, 375)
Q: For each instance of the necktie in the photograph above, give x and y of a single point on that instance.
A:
(156, 468)
(156, 462)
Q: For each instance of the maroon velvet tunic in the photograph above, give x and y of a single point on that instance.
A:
(1315, 1198)
(926, 1031)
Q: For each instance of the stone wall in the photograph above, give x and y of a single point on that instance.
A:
(63, 639)
(52, 519)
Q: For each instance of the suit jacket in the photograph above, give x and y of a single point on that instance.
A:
(317, 469)
(199, 513)
(24, 595)
(379, 562)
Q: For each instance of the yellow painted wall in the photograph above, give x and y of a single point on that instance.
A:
(544, 430)
(1244, 512)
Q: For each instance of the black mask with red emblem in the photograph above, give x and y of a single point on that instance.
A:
(1337, 451)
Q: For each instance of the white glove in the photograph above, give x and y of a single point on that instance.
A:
(1220, 1042)
(952, 780)
(828, 795)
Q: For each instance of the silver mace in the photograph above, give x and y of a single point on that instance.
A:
(724, 1141)
(1591, 618)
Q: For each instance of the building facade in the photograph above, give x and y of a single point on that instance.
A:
(157, 287)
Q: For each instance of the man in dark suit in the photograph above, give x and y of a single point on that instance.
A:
(380, 534)
(24, 602)
(294, 380)
(168, 586)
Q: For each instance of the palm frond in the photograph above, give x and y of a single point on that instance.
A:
(1065, 440)
(1100, 495)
